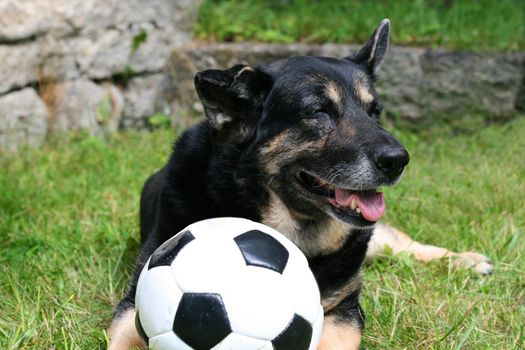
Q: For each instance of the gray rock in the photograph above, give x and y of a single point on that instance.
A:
(182, 69)
(458, 82)
(111, 53)
(58, 59)
(23, 119)
(520, 99)
(145, 96)
(20, 20)
(99, 34)
(58, 40)
(84, 105)
(92, 16)
(400, 82)
(416, 84)
(65, 46)
(19, 65)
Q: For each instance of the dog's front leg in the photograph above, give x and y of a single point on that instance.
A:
(123, 334)
(339, 335)
(343, 325)
(399, 242)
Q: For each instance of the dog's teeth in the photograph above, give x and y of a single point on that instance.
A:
(358, 211)
(353, 204)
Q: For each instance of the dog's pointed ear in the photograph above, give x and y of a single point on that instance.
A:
(232, 97)
(372, 53)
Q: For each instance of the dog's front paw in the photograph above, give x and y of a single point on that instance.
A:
(339, 335)
(475, 261)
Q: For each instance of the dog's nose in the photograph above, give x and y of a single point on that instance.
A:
(392, 161)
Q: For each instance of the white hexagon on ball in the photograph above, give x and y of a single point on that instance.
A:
(228, 283)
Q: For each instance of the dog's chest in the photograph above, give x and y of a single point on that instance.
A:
(312, 239)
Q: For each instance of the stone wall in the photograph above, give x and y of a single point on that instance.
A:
(416, 84)
(85, 64)
(100, 65)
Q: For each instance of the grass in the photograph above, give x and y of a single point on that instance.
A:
(69, 233)
(465, 193)
(455, 24)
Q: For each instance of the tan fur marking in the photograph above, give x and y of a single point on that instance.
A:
(122, 333)
(333, 92)
(386, 236)
(284, 148)
(274, 145)
(271, 153)
(339, 335)
(278, 217)
(348, 130)
(400, 242)
(362, 92)
(323, 239)
(247, 68)
(334, 298)
(332, 235)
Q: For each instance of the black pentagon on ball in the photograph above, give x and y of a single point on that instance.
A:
(296, 336)
(166, 253)
(201, 320)
(261, 249)
(140, 329)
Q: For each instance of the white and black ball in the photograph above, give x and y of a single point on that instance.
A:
(228, 283)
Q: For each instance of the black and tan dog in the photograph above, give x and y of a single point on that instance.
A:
(297, 145)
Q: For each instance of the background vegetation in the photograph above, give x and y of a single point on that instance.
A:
(69, 233)
(456, 24)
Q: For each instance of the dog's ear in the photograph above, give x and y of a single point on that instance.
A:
(232, 98)
(372, 53)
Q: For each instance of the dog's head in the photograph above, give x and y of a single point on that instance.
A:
(313, 123)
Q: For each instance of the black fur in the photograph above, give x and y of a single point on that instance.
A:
(266, 127)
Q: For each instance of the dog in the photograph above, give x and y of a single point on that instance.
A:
(296, 144)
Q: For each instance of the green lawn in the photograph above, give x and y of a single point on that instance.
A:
(69, 233)
(456, 24)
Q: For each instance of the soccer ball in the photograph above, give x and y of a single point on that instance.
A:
(228, 283)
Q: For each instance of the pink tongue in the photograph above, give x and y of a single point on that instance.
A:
(372, 204)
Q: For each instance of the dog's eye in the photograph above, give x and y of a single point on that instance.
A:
(320, 115)
(316, 119)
